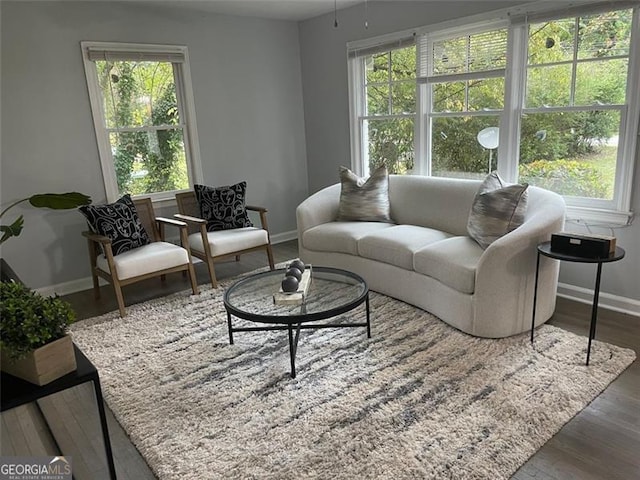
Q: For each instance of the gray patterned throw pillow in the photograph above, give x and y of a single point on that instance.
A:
(498, 208)
(364, 200)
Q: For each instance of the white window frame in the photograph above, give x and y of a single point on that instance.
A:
(595, 211)
(186, 106)
(425, 100)
(615, 211)
(358, 99)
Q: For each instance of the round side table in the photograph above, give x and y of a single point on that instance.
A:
(545, 249)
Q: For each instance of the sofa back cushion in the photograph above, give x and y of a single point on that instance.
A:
(439, 203)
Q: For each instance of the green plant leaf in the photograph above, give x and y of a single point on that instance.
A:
(59, 201)
(12, 230)
(28, 320)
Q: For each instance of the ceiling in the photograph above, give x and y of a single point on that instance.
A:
(295, 10)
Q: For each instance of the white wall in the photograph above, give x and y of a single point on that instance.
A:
(248, 96)
(326, 97)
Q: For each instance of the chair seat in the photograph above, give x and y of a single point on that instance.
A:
(149, 258)
(224, 242)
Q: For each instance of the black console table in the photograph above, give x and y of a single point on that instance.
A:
(545, 249)
(16, 392)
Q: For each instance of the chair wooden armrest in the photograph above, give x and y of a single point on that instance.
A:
(162, 221)
(171, 221)
(189, 219)
(256, 208)
(97, 238)
(94, 251)
(263, 215)
(199, 222)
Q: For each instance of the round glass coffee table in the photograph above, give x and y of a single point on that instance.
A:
(332, 292)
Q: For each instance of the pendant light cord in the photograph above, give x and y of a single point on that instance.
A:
(366, 14)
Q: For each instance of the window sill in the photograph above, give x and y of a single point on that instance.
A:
(598, 217)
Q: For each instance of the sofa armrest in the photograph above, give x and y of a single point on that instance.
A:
(505, 274)
(319, 208)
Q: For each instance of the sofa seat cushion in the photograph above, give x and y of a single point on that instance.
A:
(452, 261)
(223, 242)
(149, 258)
(397, 245)
(341, 237)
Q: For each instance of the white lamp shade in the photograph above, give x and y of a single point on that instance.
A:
(488, 137)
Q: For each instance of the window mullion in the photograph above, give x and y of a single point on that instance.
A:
(389, 76)
(515, 81)
(574, 66)
(421, 144)
(357, 110)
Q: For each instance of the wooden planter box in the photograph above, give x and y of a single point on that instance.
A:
(44, 364)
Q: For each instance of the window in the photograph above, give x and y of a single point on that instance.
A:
(543, 98)
(463, 78)
(386, 114)
(143, 114)
(570, 127)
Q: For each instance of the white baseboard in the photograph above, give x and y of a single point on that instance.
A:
(86, 283)
(606, 300)
(284, 237)
(67, 288)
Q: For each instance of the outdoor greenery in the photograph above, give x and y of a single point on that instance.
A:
(571, 177)
(576, 142)
(142, 117)
(391, 91)
(29, 320)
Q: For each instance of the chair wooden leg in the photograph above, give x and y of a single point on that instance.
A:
(192, 277)
(270, 256)
(212, 273)
(96, 284)
(118, 291)
(237, 258)
(163, 278)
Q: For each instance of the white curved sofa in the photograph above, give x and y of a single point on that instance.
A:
(427, 259)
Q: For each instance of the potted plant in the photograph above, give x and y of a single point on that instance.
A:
(34, 344)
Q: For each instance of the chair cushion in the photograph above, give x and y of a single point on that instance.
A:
(150, 258)
(119, 221)
(340, 236)
(497, 209)
(396, 245)
(223, 208)
(224, 242)
(452, 261)
(364, 200)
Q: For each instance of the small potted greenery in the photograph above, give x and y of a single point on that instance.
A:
(34, 344)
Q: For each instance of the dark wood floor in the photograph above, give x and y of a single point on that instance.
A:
(601, 442)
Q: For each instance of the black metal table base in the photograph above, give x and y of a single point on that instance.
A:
(293, 330)
(544, 249)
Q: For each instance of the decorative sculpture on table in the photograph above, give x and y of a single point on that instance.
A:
(295, 284)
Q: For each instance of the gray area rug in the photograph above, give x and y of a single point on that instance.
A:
(417, 400)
